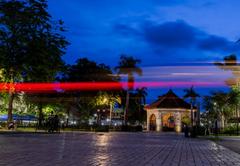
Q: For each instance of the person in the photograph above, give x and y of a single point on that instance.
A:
(207, 131)
(11, 125)
(50, 123)
(56, 123)
(186, 131)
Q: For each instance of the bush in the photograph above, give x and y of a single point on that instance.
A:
(131, 128)
(102, 129)
(201, 130)
(231, 130)
(139, 128)
(165, 128)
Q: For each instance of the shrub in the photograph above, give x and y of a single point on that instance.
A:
(201, 130)
(231, 130)
(102, 129)
(131, 128)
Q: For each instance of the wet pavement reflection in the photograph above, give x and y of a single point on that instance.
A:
(75, 148)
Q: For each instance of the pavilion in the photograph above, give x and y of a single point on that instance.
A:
(167, 112)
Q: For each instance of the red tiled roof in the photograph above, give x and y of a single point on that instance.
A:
(169, 100)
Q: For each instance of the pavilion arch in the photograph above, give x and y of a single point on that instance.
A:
(167, 111)
(152, 122)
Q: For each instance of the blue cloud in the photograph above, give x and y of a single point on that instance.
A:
(216, 43)
(178, 35)
(170, 34)
(125, 30)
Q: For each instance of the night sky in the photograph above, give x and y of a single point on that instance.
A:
(176, 40)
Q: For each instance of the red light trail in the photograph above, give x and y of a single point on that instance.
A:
(94, 86)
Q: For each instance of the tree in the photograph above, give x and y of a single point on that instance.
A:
(88, 71)
(128, 65)
(31, 44)
(141, 94)
(218, 108)
(190, 93)
(106, 100)
(233, 102)
(220, 101)
(140, 100)
(85, 70)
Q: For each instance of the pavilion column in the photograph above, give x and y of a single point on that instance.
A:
(159, 121)
(178, 124)
(148, 120)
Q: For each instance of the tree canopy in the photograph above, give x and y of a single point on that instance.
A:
(31, 43)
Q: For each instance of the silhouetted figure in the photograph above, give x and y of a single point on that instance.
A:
(216, 127)
(50, 123)
(186, 131)
(56, 123)
(11, 126)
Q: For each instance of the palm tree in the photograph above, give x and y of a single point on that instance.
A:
(190, 93)
(128, 66)
(141, 94)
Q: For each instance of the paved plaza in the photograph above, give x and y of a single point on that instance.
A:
(139, 149)
(231, 142)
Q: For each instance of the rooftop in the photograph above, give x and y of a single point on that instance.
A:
(169, 100)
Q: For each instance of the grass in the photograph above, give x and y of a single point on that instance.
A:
(216, 138)
(25, 129)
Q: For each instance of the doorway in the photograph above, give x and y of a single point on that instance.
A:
(152, 124)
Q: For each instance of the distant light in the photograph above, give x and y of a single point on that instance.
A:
(105, 100)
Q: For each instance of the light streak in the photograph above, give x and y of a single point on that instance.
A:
(95, 86)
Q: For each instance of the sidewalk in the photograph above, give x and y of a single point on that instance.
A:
(230, 142)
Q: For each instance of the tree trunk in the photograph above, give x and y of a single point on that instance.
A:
(237, 119)
(191, 113)
(68, 114)
(110, 114)
(10, 107)
(222, 122)
(225, 123)
(139, 113)
(126, 110)
(198, 115)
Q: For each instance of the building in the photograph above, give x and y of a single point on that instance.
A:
(167, 112)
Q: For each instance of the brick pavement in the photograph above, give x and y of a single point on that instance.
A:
(139, 149)
(231, 142)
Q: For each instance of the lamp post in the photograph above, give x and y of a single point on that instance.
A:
(98, 116)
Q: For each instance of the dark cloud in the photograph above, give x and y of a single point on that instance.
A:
(170, 34)
(178, 35)
(215, 43)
